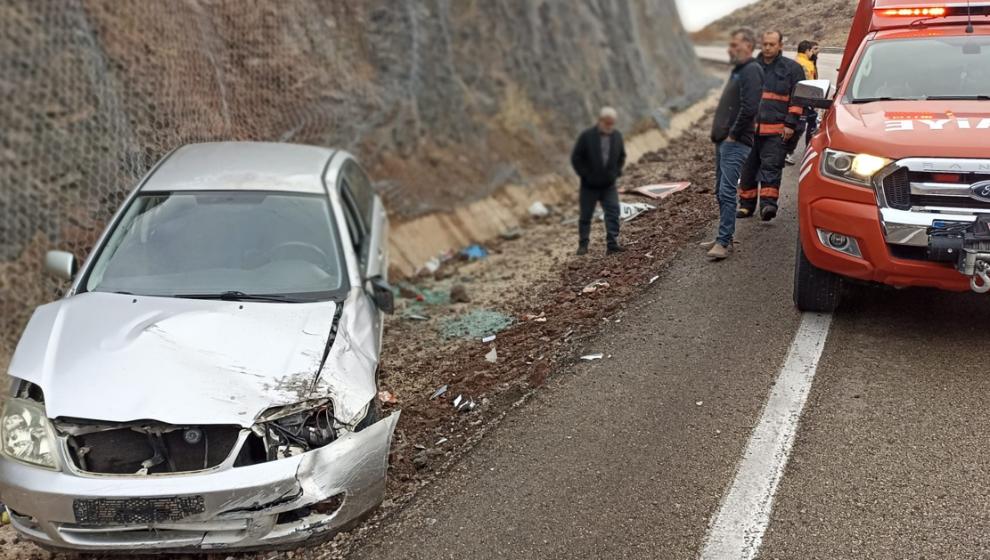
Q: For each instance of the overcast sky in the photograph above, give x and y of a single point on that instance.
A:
(699, 13)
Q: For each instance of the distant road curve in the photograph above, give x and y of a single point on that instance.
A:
(828, 62)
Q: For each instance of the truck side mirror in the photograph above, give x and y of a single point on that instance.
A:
(60, 264)
(813, 93)
(381, 293)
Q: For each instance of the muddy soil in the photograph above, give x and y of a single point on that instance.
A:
(534, 279)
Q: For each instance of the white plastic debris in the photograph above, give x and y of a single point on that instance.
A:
(593, 357)
(432, 265)
(492, 356)
(595, 286)
(439, 392)
(699, 403)
(654, 279)
(488, 339)
(457, 401)
(441, 441)
(539, 210)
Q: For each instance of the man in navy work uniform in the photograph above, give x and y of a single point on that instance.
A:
(733, 134)
(598, 158)
(777, 128)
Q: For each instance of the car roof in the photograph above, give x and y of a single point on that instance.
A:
(268, 166)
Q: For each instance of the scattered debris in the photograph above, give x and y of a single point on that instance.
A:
(477, 323)
(457, 401)
(593, 357)
(488, 339)
(432, 265)
(662, 190)
(439, 392)
(386, 397)
(595, 286)
(541, 318)
(539, 210)
(458, 294)
(628, 211)
(417, 317)
(654, 279)
(699, 403)
(492, 356)
(474, 252)
(441, 441)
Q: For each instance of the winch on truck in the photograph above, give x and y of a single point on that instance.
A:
(895, 187)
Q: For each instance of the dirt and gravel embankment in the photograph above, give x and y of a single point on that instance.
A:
(825, 21)
(532, 280)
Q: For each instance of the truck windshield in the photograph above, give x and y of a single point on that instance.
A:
(931, 67)
(223, 245)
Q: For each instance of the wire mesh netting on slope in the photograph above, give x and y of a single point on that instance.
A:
(443, 101)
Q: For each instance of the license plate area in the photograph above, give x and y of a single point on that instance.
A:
(136, 511)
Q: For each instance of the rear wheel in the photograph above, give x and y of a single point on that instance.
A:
(815, 289)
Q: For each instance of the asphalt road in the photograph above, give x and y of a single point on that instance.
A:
(632, 456)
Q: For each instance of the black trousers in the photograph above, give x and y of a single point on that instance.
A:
(763, 169)
(609, 199)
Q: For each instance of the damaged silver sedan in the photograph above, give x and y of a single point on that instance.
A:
(209, 380)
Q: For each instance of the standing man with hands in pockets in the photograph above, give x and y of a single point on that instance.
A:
(598, 158)
(733, 134)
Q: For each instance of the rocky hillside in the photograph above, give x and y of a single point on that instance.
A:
(443, 100)
(825, 21)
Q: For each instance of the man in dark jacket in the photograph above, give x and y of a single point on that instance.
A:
(733, 134)
(777, 125)
(598, 158)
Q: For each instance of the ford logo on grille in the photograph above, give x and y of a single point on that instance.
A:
(980, 191)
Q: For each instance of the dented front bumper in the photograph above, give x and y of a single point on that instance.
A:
(247, 507)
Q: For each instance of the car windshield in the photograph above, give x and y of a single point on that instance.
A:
(933, 67)
(224, 245)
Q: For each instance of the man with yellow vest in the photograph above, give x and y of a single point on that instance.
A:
(807, 57)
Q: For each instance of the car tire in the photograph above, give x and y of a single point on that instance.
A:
(815, 289)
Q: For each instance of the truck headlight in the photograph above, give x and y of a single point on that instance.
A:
(26, 435)
(852, 168)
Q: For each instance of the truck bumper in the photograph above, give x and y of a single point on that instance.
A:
(849, 210)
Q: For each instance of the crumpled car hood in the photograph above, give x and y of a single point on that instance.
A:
(901, 129)
(121, 358)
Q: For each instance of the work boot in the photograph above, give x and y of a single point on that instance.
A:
(719, 252)
(582, 250)
(744, 213)
(615, 249)
(707, 244)
(768, 213)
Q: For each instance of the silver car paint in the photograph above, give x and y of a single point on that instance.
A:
(247, 499)
(347, 377)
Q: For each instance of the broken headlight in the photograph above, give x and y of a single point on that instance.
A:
(289, 431)
(26, 434)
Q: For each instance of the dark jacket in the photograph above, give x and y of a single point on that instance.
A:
(776, 110)
(586, 159)
(736, 113)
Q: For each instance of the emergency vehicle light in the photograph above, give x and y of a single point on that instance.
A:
(930, 12)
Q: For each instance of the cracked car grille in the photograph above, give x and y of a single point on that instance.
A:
(136, 511)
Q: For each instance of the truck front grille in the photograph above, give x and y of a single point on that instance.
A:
(897, 189)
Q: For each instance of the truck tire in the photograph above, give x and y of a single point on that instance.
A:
(815, 289)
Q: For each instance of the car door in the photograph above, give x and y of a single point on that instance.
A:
(374, 253)
(367, 234)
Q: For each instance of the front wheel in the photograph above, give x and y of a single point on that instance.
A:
(814, 289)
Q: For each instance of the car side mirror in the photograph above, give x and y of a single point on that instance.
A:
(813, 93)
(381, 293)
(60, 264)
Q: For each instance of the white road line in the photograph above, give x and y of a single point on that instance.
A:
(736, 531)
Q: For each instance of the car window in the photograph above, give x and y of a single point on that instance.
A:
(169, 244)
(355, 222)
(921, 68)
(362, 191)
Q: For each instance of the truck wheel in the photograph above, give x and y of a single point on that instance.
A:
(815, 289)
